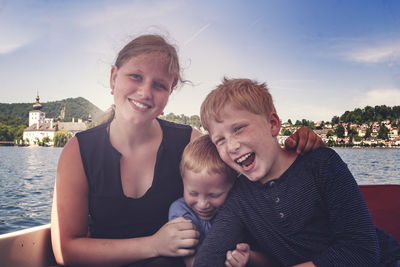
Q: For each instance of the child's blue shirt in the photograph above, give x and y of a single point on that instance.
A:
(180, 209)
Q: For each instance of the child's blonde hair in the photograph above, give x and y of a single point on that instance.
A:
(242, 93)
(202, 155)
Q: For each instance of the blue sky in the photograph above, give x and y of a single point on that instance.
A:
(319, 58)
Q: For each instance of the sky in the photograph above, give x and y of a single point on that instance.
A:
(318, 58)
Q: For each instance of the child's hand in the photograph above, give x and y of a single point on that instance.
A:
(303, 140)
(176, 238)
(238, 257)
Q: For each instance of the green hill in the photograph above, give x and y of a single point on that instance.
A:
(63, 110)
(14, 117)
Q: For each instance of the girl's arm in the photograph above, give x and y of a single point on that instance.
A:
(69, 225)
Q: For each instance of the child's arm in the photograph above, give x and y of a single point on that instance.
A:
(225, 233)
(238, 257)
(304, 140)
(258, 259)
(189, 261)
(179, 209)
(305, 264)
(243, 256)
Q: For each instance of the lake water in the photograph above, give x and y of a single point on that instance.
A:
(26, 186)
(27, 179)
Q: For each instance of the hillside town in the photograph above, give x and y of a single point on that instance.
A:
(44, 131)
(373, 134)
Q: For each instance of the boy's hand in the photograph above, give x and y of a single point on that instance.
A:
(303, 140)
(238, 257)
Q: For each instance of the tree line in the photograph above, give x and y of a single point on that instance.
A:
(12, 128)
(358, 116)
(14, 117)
(193, 120)
(369, 114)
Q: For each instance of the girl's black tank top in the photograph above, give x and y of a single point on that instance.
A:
(111, 213)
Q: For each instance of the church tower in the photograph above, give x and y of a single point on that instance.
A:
(37, 115)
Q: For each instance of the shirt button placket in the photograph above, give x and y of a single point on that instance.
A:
(277, 200)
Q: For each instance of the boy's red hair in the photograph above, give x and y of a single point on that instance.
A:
(242, 93)
(202, 155)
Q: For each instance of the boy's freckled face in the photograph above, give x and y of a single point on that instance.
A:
(247, 142)
(205, 192)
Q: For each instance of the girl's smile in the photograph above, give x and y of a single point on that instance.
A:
(141, 87)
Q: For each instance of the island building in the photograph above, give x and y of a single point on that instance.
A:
(41, 127)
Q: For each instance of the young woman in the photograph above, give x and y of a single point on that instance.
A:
(115, 182)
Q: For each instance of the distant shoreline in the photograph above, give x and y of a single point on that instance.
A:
(360, 147)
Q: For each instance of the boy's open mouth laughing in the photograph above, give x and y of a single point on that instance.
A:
(246, 161)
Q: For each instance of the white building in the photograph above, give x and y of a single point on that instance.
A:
(40, 127)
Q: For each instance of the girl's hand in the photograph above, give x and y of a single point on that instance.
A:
(176, 238)
(304, 140)
(238, 257)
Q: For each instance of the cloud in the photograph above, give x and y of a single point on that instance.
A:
(11, 41)
(19, 26)
(10, 47)
(388, 97)
(382, 53)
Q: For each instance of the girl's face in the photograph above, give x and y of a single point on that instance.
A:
(141, 87)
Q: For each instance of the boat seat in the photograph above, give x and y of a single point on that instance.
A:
(383, 202)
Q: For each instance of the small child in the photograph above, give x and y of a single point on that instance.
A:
(207, 181)
(304, 210)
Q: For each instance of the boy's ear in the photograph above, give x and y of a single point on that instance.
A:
(275, 124)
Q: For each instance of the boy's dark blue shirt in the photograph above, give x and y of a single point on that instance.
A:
(313, 212)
